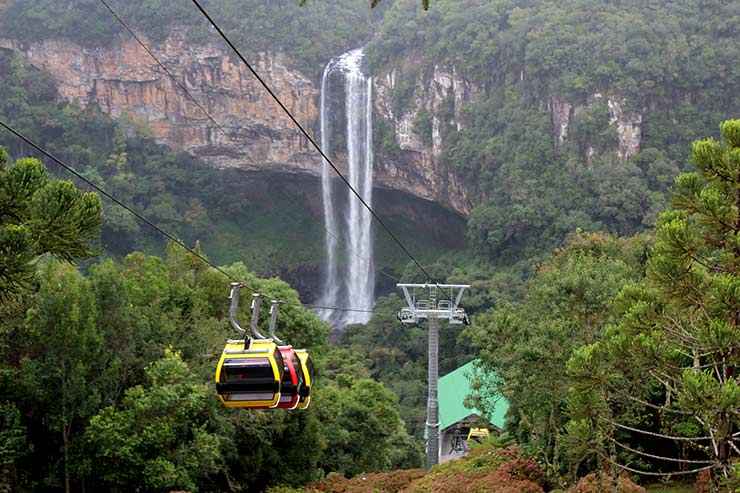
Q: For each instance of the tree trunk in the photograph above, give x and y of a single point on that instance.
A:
(614, 469)
(716, 479)
(65, 440)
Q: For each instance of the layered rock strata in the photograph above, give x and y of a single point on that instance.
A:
(418, 163)
(123, 78)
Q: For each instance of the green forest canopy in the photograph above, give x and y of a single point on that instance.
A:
(107, 377)
(310, 36)
(672, 62)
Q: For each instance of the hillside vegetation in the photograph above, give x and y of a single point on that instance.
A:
(669, 66)
(309, 36)
(486, 468)
(671, 63)
(605, 285)
(106, 376)
(182, 195)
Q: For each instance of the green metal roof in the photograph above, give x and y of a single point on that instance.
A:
(453, 388)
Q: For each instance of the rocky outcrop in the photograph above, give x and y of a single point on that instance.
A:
(123, 78)
(417, 162)
(629, 127)
(628, 124)
(561, 113)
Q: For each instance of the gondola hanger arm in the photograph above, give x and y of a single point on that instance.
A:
(234, 296)
(256, 300)
(274, 308)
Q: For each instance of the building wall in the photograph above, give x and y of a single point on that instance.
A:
(447, 439)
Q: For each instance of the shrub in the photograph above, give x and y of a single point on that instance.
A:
(486, 458)
(703, 482)
(590, 484)
(524, 469)
(392, 482)
(473, 482)
(486, 469)
(288, 489)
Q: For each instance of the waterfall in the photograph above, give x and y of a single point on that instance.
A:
(330, 292)
(349, 274)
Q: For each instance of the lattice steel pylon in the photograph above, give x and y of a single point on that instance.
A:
(433, 310)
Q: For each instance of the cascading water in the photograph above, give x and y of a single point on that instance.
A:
(351, 284)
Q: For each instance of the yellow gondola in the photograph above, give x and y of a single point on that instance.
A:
(308, 371)
(478, 434)
(250, 371)
(257, 373)
(250, 375)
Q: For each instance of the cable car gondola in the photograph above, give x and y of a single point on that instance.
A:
(250, 371)
(256, 373)
(308, 371)
(293, 378)
(478, 434)
(249, 374)
(292, 383)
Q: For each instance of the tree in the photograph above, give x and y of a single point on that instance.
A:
(361, 426)
(375, 3)
(526, 345)
(159, 438)
(64, 371)
(675, 346)
(39, 215)
(424, 3)
(13, 445)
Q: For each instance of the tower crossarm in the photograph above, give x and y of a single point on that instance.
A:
(417, 309)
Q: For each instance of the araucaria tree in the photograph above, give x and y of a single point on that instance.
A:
(40, 214)
(675, 351)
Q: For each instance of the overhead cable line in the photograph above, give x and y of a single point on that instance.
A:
(144, 219)
(311, 140)
(660, 457)
(172, 77)
(213, 120)
(649, 473)
(651, 433)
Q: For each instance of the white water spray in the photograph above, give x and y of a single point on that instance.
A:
(351, 285)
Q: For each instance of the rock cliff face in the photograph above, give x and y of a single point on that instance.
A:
(628, 124)
(124, 78)
(417, 162)
(439, 96)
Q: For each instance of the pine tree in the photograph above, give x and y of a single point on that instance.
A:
(39, 215)
(678, 336)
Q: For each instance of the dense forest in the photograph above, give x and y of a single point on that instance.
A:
(604, 294)
(106, 375)
(310, 36)
(672, 63)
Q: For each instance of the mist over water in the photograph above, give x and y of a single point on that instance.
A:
(348, 279)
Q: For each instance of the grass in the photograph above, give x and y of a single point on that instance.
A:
(670, 487)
